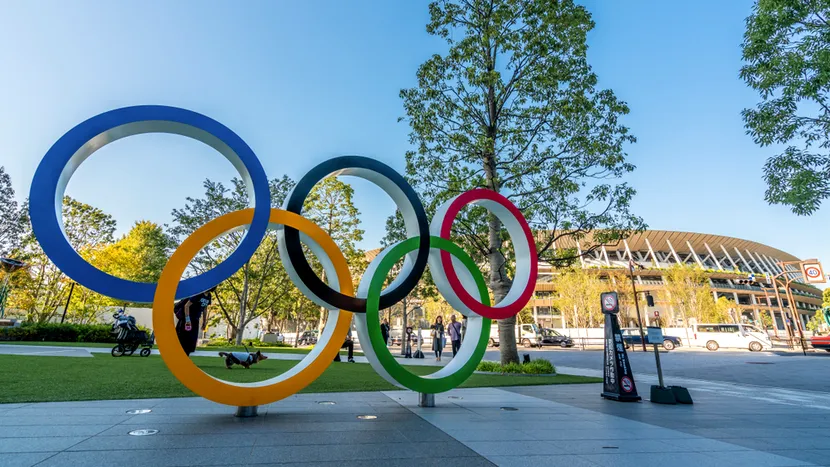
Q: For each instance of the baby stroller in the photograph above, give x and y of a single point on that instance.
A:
(129, 337)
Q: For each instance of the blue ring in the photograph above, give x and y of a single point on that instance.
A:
(80, 142)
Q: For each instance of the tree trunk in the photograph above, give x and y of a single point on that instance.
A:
(242, 305)
(404, 340)
(297, 335)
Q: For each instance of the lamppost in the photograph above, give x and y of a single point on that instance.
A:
(636, 303)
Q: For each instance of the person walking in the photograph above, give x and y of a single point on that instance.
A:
(455, 334)
(189, 311)
(384, 331)
(438, 337)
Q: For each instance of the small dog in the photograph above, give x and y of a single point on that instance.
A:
(242, 358)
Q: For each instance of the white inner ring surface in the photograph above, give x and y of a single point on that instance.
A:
(138, 128)
(468, 345)
(403, 205)
(521, 249)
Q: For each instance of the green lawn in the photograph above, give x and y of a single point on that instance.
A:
(226, 348)
(40, 379)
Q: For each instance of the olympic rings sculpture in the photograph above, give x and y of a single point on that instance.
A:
(455, 274)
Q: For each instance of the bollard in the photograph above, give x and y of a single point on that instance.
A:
(246, 411)
(426, 400)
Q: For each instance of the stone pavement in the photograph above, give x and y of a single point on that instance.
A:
(568, 425)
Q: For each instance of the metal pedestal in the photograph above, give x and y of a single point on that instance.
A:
(246, 412)
(426, 400)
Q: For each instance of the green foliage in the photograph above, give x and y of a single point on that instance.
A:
(252, 344)
(261, 284)
(11, 216)
(786, 51)
(57, 332)
(534, 367)
(513, 107)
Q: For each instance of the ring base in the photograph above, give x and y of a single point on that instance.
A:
(426, 400)
(246, 411)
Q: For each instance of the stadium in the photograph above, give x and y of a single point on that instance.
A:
(728, 263)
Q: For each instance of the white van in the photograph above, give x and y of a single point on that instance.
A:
(527, 335)
(736, 336)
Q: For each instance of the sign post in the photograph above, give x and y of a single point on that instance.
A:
(661, 394)
(618, 381)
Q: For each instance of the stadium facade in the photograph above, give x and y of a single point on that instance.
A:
(728, 263)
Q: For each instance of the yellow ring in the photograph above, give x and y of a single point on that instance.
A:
(243, 394)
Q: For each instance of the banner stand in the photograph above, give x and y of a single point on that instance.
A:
(618, 384)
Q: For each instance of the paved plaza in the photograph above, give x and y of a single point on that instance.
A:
(568, 425)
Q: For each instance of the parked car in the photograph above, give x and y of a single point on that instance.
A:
(631, 337)
(737, 336)
(552, 337)
(820, 342)
(308, 338)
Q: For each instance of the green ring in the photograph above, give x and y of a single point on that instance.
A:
(396, 370)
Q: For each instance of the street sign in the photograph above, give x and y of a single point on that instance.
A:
(656, 314)
(813, 273)
(610, 304)
(655, 335)
(626, 384)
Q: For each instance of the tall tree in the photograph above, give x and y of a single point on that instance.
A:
(330, 205)
(576, 296)
(512, 106)
(786, 51)
(140, 255)
(688, 291)
(258, 286)
(11, 216)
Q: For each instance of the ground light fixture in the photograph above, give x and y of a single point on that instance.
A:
(367, 417)
(138, 411)
(326, 402)
(509, 409)
(143, 432)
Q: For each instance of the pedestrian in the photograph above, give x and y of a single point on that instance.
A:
(455, 334)
(348, 344)
(189, 311)
(438, 337)
(384, 331)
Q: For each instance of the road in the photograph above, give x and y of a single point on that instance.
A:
(787, 370)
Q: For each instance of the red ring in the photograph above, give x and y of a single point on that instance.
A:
(492, 312)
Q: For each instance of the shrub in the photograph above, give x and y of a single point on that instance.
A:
(58, 332)
(534, 367)
(223, 342)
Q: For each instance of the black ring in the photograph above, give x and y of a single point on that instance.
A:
(299, 261)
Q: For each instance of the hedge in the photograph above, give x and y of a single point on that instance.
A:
(535, 367)
(57, 332)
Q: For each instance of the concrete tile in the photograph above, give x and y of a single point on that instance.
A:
(13, 445)
(38, 431)
(23, 459)
(156, 458)
(704, 445)
(335, 438)
(551, 460)
(496, 448)
(597, 446)
(392, 462)
(754, 459)
(813, 456)
(642, 459)
(10, 420)
(164, 441)
(487, 434)
(356, 452)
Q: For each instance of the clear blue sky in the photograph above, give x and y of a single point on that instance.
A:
(305, 81)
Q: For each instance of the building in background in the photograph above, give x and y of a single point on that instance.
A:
(728, 263)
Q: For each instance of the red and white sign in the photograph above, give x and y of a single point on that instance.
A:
(626, 384)
(656, 314)
(609, 302)
(813, 273)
